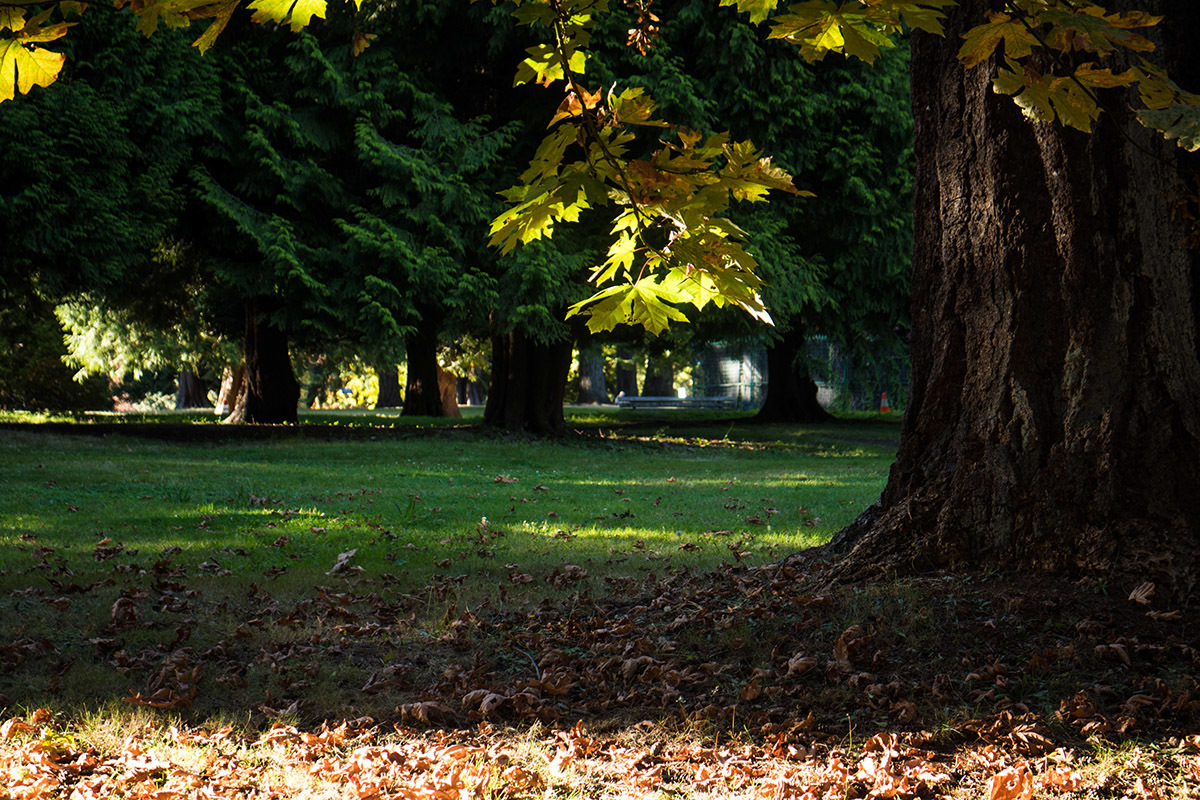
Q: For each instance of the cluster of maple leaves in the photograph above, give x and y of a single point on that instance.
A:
(793, 673)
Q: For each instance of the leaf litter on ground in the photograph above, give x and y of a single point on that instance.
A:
(747, 681)
(548, 674)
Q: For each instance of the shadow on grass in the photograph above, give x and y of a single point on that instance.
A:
(238, 604)
(978, 671)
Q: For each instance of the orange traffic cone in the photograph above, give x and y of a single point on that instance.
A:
(884, 408)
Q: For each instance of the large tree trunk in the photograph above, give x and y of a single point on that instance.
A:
(190, 391)
(529, 383)
(1053, 422)
(791, 391)
(272, 393)
(389, 386)
(593, 388)
(423, 390)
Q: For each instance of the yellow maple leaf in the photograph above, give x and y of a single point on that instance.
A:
(23, 66)
(220, 13)
(296, 13)
(12, 18)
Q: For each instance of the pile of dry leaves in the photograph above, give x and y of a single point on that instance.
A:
(746, 682)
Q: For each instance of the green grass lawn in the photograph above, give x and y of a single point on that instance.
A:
(441, 520)
(608, 614)
(635, 499)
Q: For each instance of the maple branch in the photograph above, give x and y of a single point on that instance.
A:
(1056, 56)
(589, 123)
(644, 222)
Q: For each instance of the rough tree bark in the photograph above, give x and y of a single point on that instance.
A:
(231, 397)
(424, 391)
(529, 383)
(791, 391)
(1053, 422)
(272, 393)
(190, 391)
(389, 386)
(448, 393)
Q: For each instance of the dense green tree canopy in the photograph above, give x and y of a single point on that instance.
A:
(673, 241)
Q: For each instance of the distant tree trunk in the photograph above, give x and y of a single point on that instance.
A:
(190, 391)
(660, 376)
(592, 386)
(791, 391)
(448, 394)
(232, 394)
(237, 411)
(476, 390)
(529, 383)
(272, 393)
(1053, 420)
(626, 372)
(389, 386)
(422, 392)
(316, 376)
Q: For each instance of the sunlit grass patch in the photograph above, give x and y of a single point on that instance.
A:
(125, 563)
(131, 755)
(228, 504)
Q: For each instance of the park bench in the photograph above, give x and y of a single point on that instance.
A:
(711, 403)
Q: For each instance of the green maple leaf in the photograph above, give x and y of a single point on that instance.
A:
(1180, 122)
(536, 217)
(296, 13)
(530, 13)
(620, 257)
(1074, 106)
(635, 107)
(1034, 102)
(926, 15)
(1095, 78)
(819, 27)
(643, 303)
(1100, 33)
(858, 42)
(547, 161)
(1157, 90)
(649, 305)
(1030, 92)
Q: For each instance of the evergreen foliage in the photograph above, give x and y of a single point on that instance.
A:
(352, 188)
(835, 265)
(97, 161)
(32, 372)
